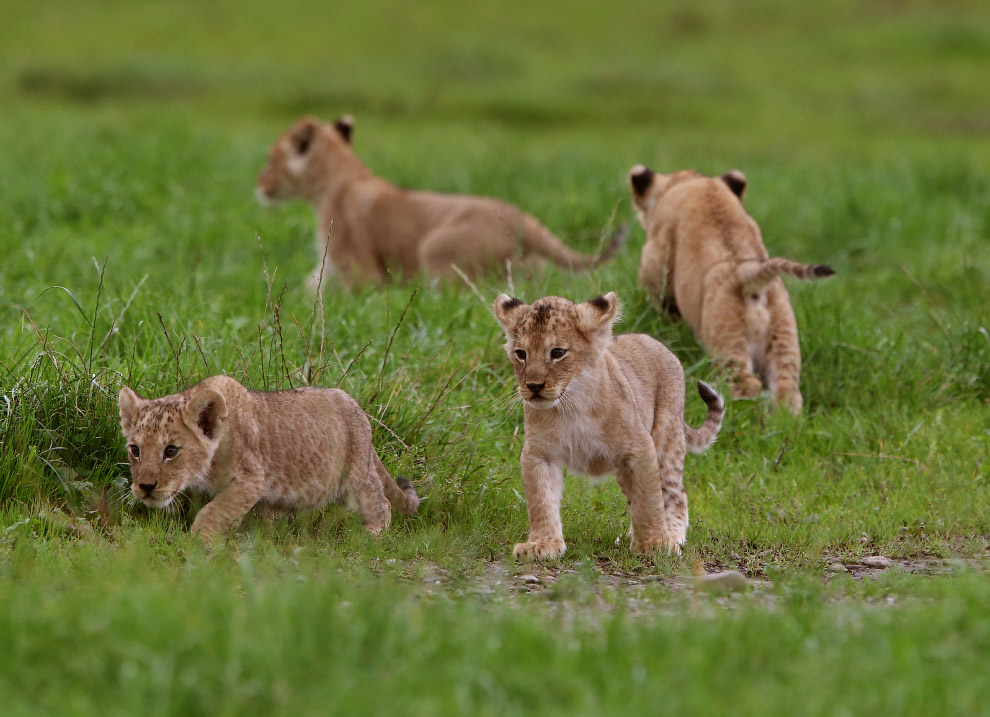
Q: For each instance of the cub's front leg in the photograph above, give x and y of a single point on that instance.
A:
(543, 482)
(229, 505)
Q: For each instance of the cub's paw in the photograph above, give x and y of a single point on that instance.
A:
(207, 534)
(749, 387)
(788, 396)
(662, 546)
(539, 550)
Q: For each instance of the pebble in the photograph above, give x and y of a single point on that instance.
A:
(729, 581)
(531, 580)
(838, 568)
(877, 561)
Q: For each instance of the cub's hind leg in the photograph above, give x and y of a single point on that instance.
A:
(369, 494)
(473, 252)
(363, 484)
(783, 351)
(670, 446)
(656, 276)
(723, 332)
(641, 481)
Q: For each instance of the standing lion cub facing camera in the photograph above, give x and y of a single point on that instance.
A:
(600, 404)
(367, 227)
(704, 253)
(283, 450)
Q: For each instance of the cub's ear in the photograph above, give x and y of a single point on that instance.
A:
(736, 181)
(303, 134)
(345, 126)
(598, 314)
(641, 178)
(506, 309)
(206, 411)
(129, 403)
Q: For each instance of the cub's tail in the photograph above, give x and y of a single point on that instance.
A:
(754, 275)
(542, 242)
(399, 491)
(698, 439)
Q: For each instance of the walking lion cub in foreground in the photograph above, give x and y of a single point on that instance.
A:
(600, 404)
(366, 226)
(705, 255)
(283, 450)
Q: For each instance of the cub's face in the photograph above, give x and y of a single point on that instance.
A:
(297, 162)
(552, 341)
(648, 186)
(170, 441)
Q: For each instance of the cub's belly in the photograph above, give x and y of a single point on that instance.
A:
(592, 460)
(299, 491)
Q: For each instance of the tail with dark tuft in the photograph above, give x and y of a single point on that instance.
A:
(615, 243)
(411, 502)
(399, 491)
(542, 242)
(698, 439)
(753, 276)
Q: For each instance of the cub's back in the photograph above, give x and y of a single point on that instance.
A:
(309, 425)
(710, 230)
(652, 370)
(711, 224)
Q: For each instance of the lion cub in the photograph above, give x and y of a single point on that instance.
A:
(600, 404)
(366, 226)
(282, 451)
(705, 255)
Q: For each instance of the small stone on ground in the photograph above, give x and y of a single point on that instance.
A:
(877, 561)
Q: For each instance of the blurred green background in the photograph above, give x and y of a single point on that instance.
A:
(789, 74)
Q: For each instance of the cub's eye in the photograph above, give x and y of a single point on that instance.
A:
(520, 354)
(135, 451)
(171, 451)
(557, 353)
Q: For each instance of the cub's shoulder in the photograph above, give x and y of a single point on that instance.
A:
(224, 385)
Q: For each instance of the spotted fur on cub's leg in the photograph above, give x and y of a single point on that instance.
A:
(600, 404)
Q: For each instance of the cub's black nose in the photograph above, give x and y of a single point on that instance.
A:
(147, 487)
(536, 387)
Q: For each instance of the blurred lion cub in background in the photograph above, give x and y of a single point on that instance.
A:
(704, 253)
(379, 228)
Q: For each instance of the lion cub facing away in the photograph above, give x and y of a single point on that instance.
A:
(600, 404)
(284, 450)
(706, 254)
(377, 227)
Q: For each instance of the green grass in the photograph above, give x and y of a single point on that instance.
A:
(312, 634)
(131, 251)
